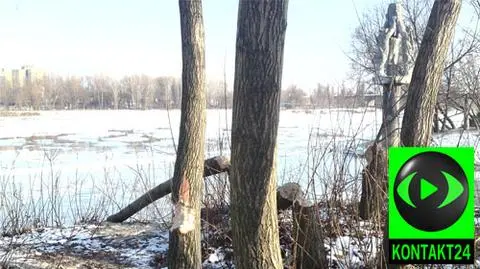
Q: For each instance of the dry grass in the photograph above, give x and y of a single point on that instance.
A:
(4, 113)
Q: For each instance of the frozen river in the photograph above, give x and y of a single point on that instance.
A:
(85, 160)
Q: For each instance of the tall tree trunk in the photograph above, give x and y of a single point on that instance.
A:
(426, 79)
(427, 73)
(258, 75)
(184, 246)
(466, 112)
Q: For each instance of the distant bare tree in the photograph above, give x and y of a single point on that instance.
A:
(146, 87)
(321, 96)
(294, 96)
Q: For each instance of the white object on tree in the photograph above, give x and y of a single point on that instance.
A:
(393, 59)
(183, 219)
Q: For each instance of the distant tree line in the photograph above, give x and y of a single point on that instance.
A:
(328, 96)
(103, 92)
(53, 92)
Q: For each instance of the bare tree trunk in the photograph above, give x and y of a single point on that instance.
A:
(426, 79)
(258, 75)
(391, 101)
(446, 119)
(184, 244)
(374, 179)
(427, 73)
(466, 112)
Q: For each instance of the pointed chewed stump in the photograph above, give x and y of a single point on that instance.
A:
(307, 231)
(374, 183)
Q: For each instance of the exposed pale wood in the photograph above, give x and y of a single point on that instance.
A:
(184, 249)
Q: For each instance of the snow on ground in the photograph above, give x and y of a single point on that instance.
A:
(120, 154)
(131, 245)
(139, 245)
(145, 245)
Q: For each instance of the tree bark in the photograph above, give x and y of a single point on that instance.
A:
(307, 232)
(212, 166)
(427, 73)
(391, 101)
(374, 183)
(260, 41)
(466, 112)
(426, 80)
(184, 241)
(309, 248)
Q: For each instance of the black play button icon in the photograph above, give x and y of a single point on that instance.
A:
(431, 191)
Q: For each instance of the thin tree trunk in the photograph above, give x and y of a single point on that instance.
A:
(466, 112)
(390, 115)
(427, 73)
(258, 75)
(184, 243)
(446, 119)
(426, 79)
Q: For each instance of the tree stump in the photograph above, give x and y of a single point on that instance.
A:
(374, 183)
(308, 249)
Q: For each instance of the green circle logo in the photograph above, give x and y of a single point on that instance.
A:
(431, 191)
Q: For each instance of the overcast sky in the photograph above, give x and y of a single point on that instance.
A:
(119, 37)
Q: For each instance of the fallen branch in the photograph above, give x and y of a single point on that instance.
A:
(306, 226)
(212, 166)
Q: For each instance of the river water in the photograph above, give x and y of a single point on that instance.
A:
(93, 162)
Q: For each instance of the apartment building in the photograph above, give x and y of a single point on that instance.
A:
(17, 78)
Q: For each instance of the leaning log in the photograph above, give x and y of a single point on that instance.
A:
(212, 166)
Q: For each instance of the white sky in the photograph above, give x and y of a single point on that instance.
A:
(118, 37)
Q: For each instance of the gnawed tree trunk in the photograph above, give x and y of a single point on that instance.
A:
(184, 250)
(308, 249)
(260, 41)
(426, 79)
(374, 183)
(286, 194)
(212, 166)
